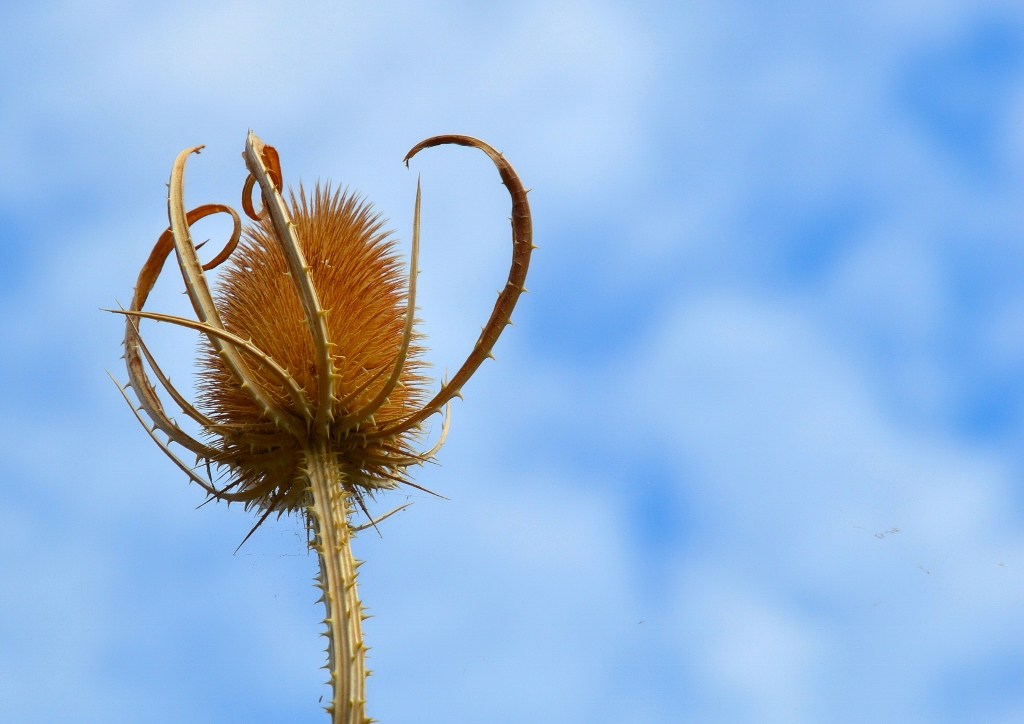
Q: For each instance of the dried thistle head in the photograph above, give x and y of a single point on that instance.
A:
(360, 284)
(310, 336)
(310, 386)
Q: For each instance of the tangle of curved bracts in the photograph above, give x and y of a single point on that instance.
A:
(368, 416)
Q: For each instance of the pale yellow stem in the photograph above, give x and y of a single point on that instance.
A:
(301, 276)
(345, 649)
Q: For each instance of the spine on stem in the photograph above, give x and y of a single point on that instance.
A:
(346, 652)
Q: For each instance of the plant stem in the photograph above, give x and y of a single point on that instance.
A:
(333, 536)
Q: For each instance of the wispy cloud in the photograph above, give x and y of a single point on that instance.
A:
(750, 453)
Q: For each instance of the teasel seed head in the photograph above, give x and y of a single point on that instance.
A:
(355, 268)
(311, 392)
(309, 339)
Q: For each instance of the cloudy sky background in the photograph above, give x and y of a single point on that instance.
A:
(752, 452)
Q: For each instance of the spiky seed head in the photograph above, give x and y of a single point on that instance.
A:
(360, 281)
(300, 338)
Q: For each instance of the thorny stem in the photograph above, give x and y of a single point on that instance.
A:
(328, 515)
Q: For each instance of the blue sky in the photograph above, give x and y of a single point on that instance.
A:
(751, 453)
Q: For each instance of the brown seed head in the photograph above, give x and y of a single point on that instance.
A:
(310, 391)
(360, 283)
(309, 342)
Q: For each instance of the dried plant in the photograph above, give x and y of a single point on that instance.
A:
(310, 386)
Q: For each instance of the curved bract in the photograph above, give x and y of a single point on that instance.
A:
(311, 392)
